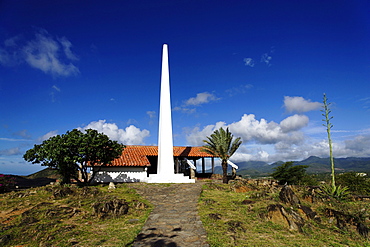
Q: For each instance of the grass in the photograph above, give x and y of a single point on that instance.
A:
(44, 217)
(64, 216)
(230, 220)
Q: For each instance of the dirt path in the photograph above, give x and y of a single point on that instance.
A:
(174, 222)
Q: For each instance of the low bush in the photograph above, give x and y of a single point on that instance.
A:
(7, 182)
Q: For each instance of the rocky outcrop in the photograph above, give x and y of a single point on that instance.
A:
(279, 215)
(293, 215)
(293, 220)
(347, 221)
(115, 208)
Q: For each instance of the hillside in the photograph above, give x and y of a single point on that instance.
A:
(316, 165)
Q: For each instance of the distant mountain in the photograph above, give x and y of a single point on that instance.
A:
(315, 165)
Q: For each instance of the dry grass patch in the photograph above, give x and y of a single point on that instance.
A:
(240, 219)
(66, 216)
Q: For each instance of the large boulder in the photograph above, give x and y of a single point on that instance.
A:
(279, 215)
(287, 195)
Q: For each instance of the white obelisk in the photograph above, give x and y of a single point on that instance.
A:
(166, 167)
(165, 141)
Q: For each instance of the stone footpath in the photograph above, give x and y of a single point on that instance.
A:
(174, 221)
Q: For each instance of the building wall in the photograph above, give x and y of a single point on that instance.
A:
(121, 175)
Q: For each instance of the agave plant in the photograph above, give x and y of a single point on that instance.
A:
(338, 192)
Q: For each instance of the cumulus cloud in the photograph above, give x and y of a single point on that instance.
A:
(258, 131)
(201, 98)
(288, 140)
(299, 104)
(189, 105)
(359, 146)
(131, 135)
(294, 123)
(43, 52)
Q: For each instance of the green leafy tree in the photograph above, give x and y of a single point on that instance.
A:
(75, 152)
(326, 113)
(288, 173)
(223, 145)
(358, 183)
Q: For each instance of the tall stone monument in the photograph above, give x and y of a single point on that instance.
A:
(166, 167)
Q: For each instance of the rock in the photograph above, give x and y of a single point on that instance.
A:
(235, 225)
(133, 221)
(346, 221)
(242, 189)
(5, 239)
(287, 195)
(309, 213)
(362, 230)
(275, 215)
(115, 208)
(111, 186)
(246, 202)
(215, 216)
(290, 219)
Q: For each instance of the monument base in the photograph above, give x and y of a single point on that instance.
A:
(169, 178)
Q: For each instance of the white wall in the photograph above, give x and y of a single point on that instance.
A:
(121, 175)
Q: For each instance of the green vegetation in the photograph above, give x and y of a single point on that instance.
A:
(235, 217)
(288, 173)
(221, 144)
(71, 216)
(74, 152)
(6, 183)
(357, 183)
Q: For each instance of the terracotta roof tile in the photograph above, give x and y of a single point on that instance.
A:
(136, 155)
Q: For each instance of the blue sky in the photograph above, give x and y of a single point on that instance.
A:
(257, 67)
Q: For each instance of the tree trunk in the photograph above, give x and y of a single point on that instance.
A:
(224, 172)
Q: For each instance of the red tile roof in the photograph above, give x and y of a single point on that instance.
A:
(134, 155)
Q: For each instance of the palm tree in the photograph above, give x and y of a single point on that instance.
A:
(222, 145)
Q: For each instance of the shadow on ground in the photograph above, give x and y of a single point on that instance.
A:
(154, 239)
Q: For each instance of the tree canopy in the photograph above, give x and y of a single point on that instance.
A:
(289, 173)
(75, 152)
(223, 145)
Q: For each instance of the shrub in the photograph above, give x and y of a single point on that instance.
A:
(6, 183)
(288, 173)
(357, 183)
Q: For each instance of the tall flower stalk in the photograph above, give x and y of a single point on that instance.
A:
(328, 125)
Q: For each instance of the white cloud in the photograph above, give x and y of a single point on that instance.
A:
(299, 104)
(359, 146)
(22, 133)
(266, 58)
(201, 98)
(13, 139)
(43, 52)
(151, 114)
(196, 136)
(131, 135)
(67, 48)
(238, 90)
(248, 62)
(56, 88)
(293, 123)
(258, 131)
(10, 151)
(48, 135)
